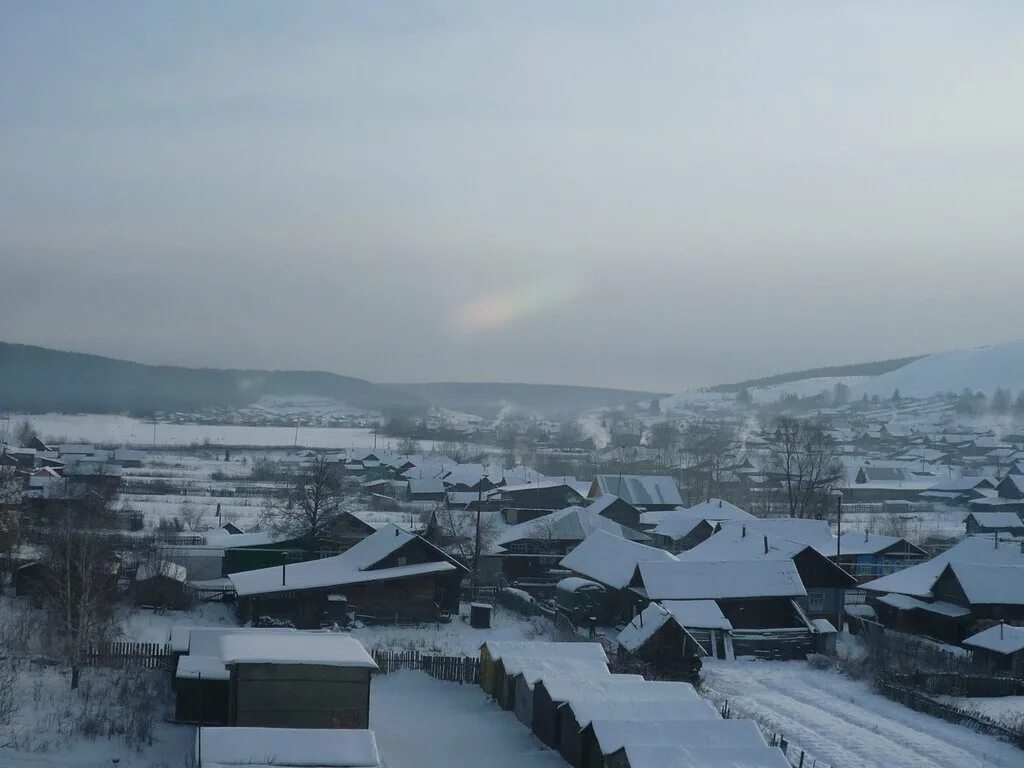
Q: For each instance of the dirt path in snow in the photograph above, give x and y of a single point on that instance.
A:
(843, 723)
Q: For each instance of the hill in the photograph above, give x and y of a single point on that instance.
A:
(980, 368)
(35, 379)
(875, 368)
(551, 400)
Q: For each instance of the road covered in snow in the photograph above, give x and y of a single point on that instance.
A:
(422, 722)
(841, 722)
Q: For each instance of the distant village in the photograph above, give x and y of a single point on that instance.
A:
(629, 552)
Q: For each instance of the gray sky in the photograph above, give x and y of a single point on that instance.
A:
(647, 195)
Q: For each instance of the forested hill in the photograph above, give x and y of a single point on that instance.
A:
(875, 368)
(35, 379)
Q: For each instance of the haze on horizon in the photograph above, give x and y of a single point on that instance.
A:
(653, 196)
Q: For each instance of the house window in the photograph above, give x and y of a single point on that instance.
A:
(403, 561)
(816, 600)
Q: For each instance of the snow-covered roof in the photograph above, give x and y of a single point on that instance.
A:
(614, 734)
(917, 580)
(543, 649)
(201, 667)
(640, 705)
(642, 627)
(642, 756)
(322, 648)
(997, 519)
(908, 603)
(205, 641)
(639, 490)
(426, 485)
(1002, 638)
(610, 559)
(697, 614)
(350, 567)
(569, 524)
(991, 583)
(712, 580)
(534, 668)
(288, 747)
(719, 509)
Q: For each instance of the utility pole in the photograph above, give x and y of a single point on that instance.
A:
(296, 443)
(476, 543)
(839, 540)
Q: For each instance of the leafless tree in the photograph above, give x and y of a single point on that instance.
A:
(312, 507)
(10, 518)
(456, 532)
(708, 448)
(25, 433)
(806, 462)
(191, 515)
(79, 591)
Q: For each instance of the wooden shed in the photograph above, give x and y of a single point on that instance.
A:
(657, 638)
(603, 738)
(1000, 647)
(550, 693)
(297, 680)
(201, 685)
(637, 705)
(161, 585)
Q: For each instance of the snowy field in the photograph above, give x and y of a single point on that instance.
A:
(124, 430)
(422, 723)
(842, 723)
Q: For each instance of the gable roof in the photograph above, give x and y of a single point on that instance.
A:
(989, 583)
(610, 559)
(644, 756)
(353, 566)
(698, 580)
(331, 649)
(917, 580)
(639, 490)
(1002, 638)
(569, 524)
(613, 735)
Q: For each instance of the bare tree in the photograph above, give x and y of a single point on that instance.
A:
(806, 462)
(313, 506)
(191, 515)
(457, 532)
(25, 433)
(10, 518)
(79, 592)
(708, 448)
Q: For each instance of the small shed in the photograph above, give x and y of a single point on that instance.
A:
(201, 690)
(161, 585)
(521, 676)
(606, 737)
(286, 747)
(579, 598)
(1000, 647)
(707, 757)
(639, 706)
(492, 671)
(656, 637)
(550, 693)
(297, 680)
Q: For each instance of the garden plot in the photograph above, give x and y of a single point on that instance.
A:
(841, 722)
(421, 722)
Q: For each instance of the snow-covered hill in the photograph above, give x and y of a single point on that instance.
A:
(981, 368)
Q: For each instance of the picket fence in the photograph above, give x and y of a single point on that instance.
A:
(454, 669)
(125, 654)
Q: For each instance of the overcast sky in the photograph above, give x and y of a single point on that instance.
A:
(631, 194)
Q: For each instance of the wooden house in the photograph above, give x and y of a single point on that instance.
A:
(990, 590)
(980, 523)
(550, 495)
(297, 680)
(619, 510)
(390, 575)
(651, 492)
(658, 639)
(611, 561)
(1001, 647)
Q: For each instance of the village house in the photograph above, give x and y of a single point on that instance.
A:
(611, 561)
(1000, 647)
(161, 584)
(656, 637)
(650, 492)
(994, 522)
(391, 574)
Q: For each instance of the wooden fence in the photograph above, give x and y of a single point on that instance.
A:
(125, 654)
(454, 669)
(794, 754)
(959, 684)
(918, 701)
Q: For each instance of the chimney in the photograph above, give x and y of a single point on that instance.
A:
(743, 534)
(396, 530)
(719, 502)
(283, 567)
(1002, 624)
(766, 545)
(865, 534)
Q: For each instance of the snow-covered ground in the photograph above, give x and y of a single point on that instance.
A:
(841, 722)
(124, 430)
(143, 625)
(457, 637)
(1007, 710)
(421, 723)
